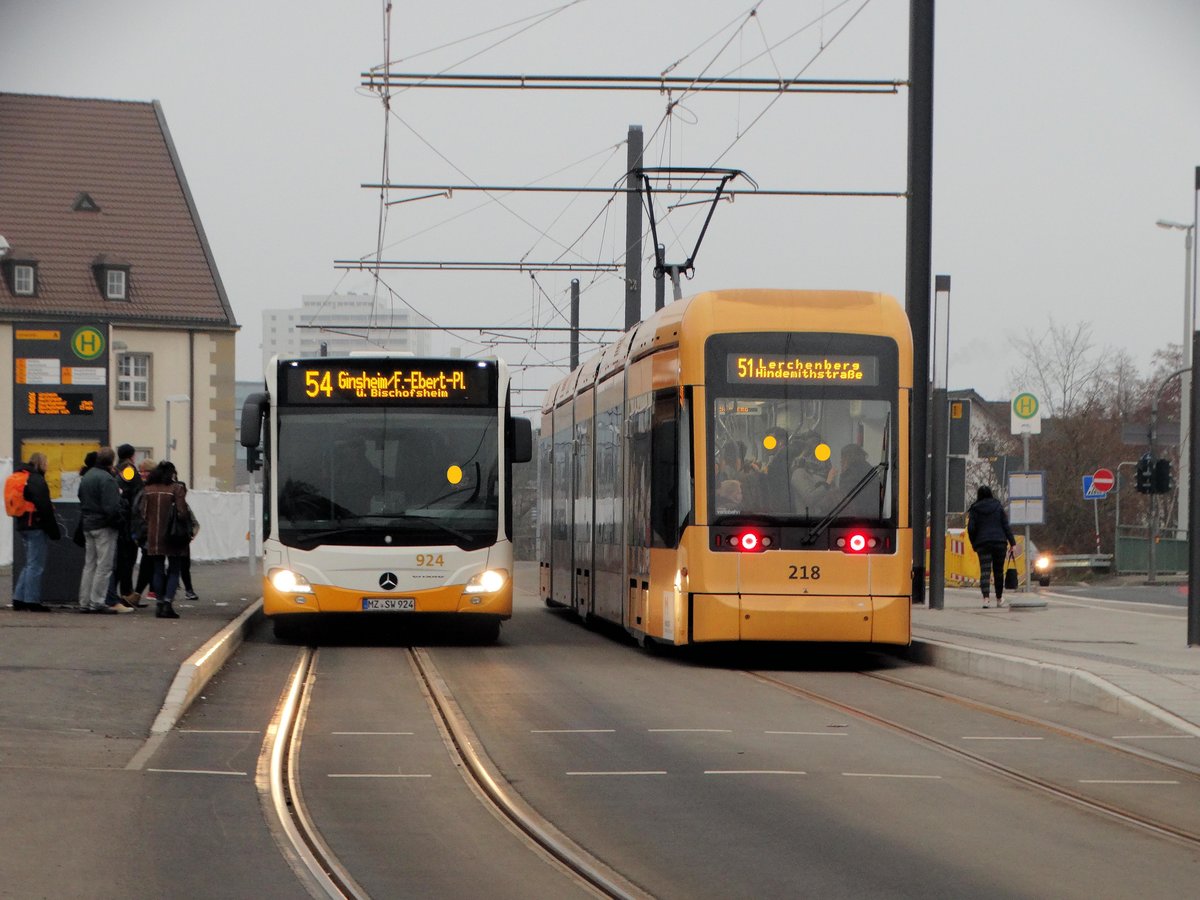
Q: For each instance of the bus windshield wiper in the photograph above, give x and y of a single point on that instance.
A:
(363, 525)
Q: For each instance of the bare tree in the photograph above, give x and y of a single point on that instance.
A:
(1063, 367)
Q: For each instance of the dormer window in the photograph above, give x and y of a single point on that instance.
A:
(21, 275)
(112, 279)
(24, 279)
(115, 281)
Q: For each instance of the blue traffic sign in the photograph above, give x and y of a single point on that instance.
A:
(1089, 489)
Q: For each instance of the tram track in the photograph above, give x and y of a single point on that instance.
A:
(1186, 836)
(317, 866)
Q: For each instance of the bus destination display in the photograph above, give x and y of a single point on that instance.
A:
(802, 368)
(381, 383)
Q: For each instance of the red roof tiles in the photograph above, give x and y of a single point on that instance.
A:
(52, 149)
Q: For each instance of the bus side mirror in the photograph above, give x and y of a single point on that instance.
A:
(253, 411)
(522, 440)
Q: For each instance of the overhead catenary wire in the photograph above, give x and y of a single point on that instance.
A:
(656, 83)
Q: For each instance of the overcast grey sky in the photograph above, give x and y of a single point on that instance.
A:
(1063, 130)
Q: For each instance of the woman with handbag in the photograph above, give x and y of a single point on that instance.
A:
(166, 519)
(991, 536)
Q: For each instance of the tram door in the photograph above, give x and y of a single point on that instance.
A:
(561, 514)
(583, 503)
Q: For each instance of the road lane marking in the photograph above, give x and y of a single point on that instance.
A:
(196, 772)
(617, 774)
(887, 775)
(373, 775)
(214, 731)
(811, 733)
(370, 733)
(690, 730)
(572, 731)
(1123, 781)
(753, 772)
(1154, 737)
(998, 737)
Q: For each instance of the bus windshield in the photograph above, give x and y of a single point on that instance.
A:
(388, 476)
(802, 459)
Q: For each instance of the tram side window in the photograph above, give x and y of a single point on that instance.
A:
(666, 477)
(640, 465)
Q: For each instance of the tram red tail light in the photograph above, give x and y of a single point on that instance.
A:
(745, 540)
(856, 542)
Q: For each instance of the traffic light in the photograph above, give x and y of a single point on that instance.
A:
(1145, 474)
(254, 459)
(1162, 476)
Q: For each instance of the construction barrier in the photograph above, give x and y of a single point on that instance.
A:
(962, 563)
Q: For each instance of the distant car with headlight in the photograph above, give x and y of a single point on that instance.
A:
(1043, 566)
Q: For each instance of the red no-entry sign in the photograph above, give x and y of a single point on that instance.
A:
(1103, 481)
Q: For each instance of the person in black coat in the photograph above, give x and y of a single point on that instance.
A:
(991, 536)
(35, 528)
(129, 480)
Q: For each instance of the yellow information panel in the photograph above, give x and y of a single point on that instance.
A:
(64, 459)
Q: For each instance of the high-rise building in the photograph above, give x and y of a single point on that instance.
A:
(343, 323)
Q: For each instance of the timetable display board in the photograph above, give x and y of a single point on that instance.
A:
(400, 381)
(60, 379)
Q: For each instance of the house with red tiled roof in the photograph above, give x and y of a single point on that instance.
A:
(113, 319)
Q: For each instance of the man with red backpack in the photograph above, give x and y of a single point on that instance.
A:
(27, 500)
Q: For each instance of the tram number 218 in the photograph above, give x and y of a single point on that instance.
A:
(804, 573)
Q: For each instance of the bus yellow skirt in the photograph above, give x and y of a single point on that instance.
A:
(325, 599)
(728, 617)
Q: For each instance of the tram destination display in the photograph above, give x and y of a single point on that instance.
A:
(802, 368)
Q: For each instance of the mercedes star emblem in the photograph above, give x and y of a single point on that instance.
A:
(388, 581)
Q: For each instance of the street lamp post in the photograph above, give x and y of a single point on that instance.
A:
(1185, 386)
(170, 444)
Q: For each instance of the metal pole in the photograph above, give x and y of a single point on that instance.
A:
(250, 530)
(574, 323)
(1193, 632)
(1193, 628)
(937, 505)
(1025, 444)
(633, 230)
(919, 232)
(1185, 394)
(660, 283)
(167, 445)
(940, 452)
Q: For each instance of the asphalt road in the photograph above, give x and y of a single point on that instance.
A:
(682, 772)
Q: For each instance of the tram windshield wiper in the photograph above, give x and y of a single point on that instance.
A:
(820, 527)
(879, 470)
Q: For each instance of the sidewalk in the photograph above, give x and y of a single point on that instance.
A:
(1126, 657)
(86, 690)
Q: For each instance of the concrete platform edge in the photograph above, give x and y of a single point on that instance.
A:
(1062, 682)
(198, 669)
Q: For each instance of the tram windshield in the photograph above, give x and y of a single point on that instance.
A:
(802, 458)
(388, 476)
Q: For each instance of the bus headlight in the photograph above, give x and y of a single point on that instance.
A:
(288, 582)
(1043, 562)
(487, 582)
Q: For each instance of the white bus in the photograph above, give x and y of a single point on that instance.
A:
(386, 488)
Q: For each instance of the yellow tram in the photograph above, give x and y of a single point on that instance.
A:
(735, 468)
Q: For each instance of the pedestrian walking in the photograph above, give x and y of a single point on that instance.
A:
(991, 536)
(145, 568)
(35, 524)
(100, 515)
(129, 481)
(163, 505)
